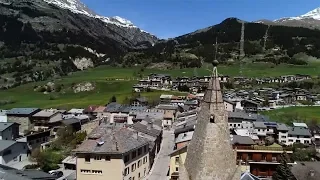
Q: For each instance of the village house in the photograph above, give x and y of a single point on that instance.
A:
(183, 139)
(9, 173)
(3, 115)
(90, 110)
(23, 117)
(250, 106)
(139, 101)
(315, 132)
(177, 156)
(117, 154)
(306, 170)
(261, 160)
(99, 112)
(75, 111)
(44, 118)
(154, 135)
(9, 131)
(299, 135)
(12, 152)
(36, 139)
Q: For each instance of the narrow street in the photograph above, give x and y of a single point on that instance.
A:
(161, 165)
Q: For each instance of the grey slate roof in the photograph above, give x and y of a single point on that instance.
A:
(259, 125)
(187, 136)
(8, 173)
(302, 170)
(282, 127)
(5, 125)
(4, 144)
(22, 111)
(299, 131)
(112, 107)
(116, 141)
(145, 129)
(242, 140)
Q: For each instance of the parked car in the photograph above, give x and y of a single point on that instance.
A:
(56, 173)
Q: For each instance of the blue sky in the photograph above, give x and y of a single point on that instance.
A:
(171, 18)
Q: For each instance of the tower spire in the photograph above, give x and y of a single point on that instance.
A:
(210, 155)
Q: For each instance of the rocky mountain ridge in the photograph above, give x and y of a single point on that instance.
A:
(310, 19)
(262, 43)
(40, 40)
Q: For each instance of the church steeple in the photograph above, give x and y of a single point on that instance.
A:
(210, 155)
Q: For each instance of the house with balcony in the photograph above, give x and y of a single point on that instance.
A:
(250, 106)
(261, 160)
(112, 153)
(44, 118)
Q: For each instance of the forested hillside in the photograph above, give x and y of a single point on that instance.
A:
(281, 46)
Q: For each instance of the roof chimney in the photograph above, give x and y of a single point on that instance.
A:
(136, 136)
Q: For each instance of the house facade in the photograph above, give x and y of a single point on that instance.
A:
(12, 152)
(9, 131)
(22, 116)
(100, 157)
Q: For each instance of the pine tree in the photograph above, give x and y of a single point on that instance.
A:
(283, 171)
(113, 99)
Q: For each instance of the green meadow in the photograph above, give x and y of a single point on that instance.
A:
(116, 81)
(295, 114)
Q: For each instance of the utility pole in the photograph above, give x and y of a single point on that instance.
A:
(241, 51)
(265, 37)
(215, 54)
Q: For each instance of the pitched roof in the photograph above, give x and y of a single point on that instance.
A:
(304, 170)
(299, 131)
(22, 111)
(113, 141)
(259, 125)
(90, 109)
(5, 125)
(9, 173)
(76, 111)
(45, 113)
(146, 129)
(282, 127)
(187, 136)
(242, 140)
(248, 176)
(4, 144)
(100, 109)
(179, 149)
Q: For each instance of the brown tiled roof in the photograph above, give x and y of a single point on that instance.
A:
(100, 109)
(115, 141)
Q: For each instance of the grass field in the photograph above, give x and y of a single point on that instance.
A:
(295, 114)
(24, 96)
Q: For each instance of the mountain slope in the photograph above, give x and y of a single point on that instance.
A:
(309, 20)
(280, 46)
(39, 40)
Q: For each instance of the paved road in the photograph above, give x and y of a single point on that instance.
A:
(161, 165)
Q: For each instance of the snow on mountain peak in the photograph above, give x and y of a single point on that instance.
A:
(76, 6)
(315, 14)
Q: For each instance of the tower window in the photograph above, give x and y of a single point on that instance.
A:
(212, 119)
